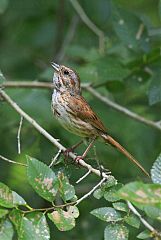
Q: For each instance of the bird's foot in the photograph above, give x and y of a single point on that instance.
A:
(78, 158)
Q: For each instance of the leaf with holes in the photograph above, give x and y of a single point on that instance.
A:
(156, 170)
(116, 231)
(107, 214)
(63, 220)
(42, 179)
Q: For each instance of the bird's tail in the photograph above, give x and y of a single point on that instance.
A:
(114, 143)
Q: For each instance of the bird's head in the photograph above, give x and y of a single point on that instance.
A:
(66, 79)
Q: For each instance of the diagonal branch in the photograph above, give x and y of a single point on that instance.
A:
(90, 24)
(87, 87)
(53, 140)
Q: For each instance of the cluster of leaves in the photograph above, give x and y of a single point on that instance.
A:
(31, 223)
(146, 197)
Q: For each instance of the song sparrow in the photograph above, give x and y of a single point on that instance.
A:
(75, 114)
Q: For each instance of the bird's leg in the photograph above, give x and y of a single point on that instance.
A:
(71, 149)
(78, 158)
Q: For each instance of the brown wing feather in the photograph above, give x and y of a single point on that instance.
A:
(81, 109)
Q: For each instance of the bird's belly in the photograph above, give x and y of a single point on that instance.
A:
(72, 123)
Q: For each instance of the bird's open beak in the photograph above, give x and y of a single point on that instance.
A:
(55, 66)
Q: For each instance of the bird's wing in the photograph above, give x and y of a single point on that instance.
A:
(81, 109)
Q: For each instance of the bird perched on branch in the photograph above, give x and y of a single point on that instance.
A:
(75, 114)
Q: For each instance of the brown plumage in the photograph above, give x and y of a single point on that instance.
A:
(75, 114)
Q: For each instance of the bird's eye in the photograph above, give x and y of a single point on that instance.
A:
(66, 72)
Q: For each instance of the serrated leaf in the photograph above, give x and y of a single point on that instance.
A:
(120, 206)
(6, 230)
(6, 197)
(111, 193)
(132, 220)
(42, 179)
(34, 226)
(107, 214)
(3, 6)
(144, 235)
(66, 190)
(63, 220)
(138, 192)
(116, 231)
(156, 170)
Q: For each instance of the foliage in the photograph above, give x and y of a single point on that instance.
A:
(127, 72)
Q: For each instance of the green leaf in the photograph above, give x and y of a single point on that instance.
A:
(144, 235)
(153, 212)
(138, 192)
(42, 179)
(63, 220)
(17, 199)
(73, 211)
(3, 6)
(126, 26)
(34, 226)
(3, 212)
(155, 88)
(6, 230)
(6, 197)
(31, 226)
(66, 190)
(111, 193)
(107, 214)
(132, 220)
(156, 170)
(98, 194)
(120, 206)
(116, 231)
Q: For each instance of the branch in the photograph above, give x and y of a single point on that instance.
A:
(90, 24)
(11, 161)
(145, 223)
(122, 109)
(87, 87)
(18, 136)
(48, 136)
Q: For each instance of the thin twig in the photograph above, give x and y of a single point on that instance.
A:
(48, 136)
(140, 31)
(11, 161)
(18, 136)
(122, 109)
(87, 87)
(90, 24)
(83, 177)
(55, 158)
(90, 192)
(145, 223)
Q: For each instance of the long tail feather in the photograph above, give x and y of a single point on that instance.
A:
(114, 143)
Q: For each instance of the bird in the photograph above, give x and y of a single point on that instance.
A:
(75, 115)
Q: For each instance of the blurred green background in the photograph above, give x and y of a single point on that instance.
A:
(32, 34)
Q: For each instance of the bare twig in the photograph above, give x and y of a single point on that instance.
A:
(11, 161)
(83, 177)
(87, 87)
(18, 136)
(140, 31)
(90, 24)
(55, 158)
(145, 223)
(48, 136)
(121, 108)
(90, 192)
